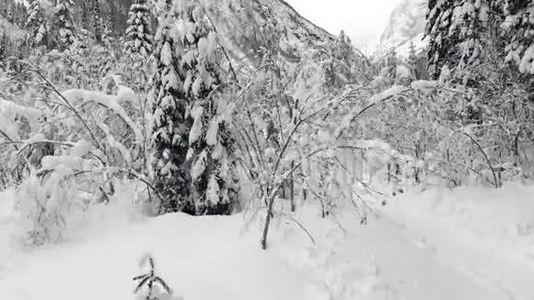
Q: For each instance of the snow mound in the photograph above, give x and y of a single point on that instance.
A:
(471, 243)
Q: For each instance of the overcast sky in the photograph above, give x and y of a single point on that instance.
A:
(363, 20)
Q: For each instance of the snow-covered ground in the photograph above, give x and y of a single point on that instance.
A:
(471, 243)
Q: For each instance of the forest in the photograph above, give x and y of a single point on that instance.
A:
(122, 121)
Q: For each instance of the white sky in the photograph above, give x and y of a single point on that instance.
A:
(363, 20)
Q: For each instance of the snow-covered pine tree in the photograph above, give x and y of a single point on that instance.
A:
(467, 27)
(342, 55)
(456, 31)
(97, 20)
(138, 35)
(391, 65)
(36, 23)
(63, 23)
(11, 13)
(412, 60)
(21, 14)
(83, 11)
(519, 25)
(170, 127)
(213, 186)
(441, 50)
(3, 46)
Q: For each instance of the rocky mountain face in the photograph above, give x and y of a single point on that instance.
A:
(255, 25)
(248, 27)
(406, 26)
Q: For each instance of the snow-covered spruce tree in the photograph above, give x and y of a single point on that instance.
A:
(36, 23)
(190, 139)
(213, 186)
(339, 69)
(138, 35)
(3, 46)
(170, 127)
(441, 50)
(519, 25)
(391, 65)
(468, 27)
(97, 21)
(63, 24)
(413, 62)
(456, 32)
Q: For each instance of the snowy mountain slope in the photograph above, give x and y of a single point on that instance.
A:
(472, 243)
(406, 26)
(242, 22)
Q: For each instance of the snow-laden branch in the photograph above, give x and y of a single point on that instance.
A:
(112, 102)
(382, 97)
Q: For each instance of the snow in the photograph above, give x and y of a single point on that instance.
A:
(9, 111)
(199, 166)
(111, 102)
(527, 62)
(54, 162)
(424, 85)
(81, 148)
(374, 100)
(471, 243)
(196, 130)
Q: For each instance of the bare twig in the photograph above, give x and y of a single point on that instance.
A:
(495, 180)
(299, 224)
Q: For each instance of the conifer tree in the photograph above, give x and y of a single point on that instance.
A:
(455, 29)
(391, 65)
(413, 61)
(84, 14)
(64, 24)
(342, 56)
(468, 30)
(97, 20)
(213, 188)
(170, 127)
(192, 145)
(3, 45)
(518, 25)
(36, 23)
(11, 13)
(138, 35)
(441, 50)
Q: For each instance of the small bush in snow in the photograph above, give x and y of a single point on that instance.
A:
(151, 286)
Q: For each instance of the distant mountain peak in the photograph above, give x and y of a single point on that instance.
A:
(406, 25)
